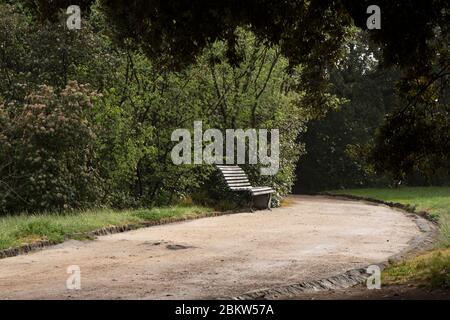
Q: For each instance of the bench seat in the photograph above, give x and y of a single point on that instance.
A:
(236, 179)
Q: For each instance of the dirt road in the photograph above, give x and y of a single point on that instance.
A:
(315, 237)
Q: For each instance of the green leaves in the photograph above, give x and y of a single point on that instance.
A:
(63, 147)
(48, 151)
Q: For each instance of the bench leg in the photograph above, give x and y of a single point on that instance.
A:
(269, 201)
(251, 204)
(263, 201)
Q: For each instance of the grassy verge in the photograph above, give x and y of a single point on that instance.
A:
(24, 229)
(433, 268)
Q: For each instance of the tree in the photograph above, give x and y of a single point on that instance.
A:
(35, 54)
(179, 30)
(152, 101)
(416, 139)
(413, 36)
(337, 143)
(142, 103)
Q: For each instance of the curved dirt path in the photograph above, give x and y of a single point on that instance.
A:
(315, 237)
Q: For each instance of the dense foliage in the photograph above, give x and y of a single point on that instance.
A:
(337, 143)
(414, 37)
(113, 148)
(47, 151)
(177, 31)
(137, 71)
(367, 141)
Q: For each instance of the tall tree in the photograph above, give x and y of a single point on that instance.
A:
(337, 143)
(414, 36)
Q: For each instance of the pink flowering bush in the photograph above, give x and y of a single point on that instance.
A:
(47, 151)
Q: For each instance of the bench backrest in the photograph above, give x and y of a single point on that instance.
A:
(235, 177)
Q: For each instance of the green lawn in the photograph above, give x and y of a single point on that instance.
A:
(21, 229)
(434, 200)
(432, 268)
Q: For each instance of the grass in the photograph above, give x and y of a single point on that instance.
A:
(435, 200)
(433, 268)
(24, 229)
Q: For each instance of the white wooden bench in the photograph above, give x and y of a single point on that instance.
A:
(237, 180)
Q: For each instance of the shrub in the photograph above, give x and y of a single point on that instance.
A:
(47, 152)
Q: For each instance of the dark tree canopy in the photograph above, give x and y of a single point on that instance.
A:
(414, 37)
(176, 31)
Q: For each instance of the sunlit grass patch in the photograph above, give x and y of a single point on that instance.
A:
(24, 229)
(431, 269)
